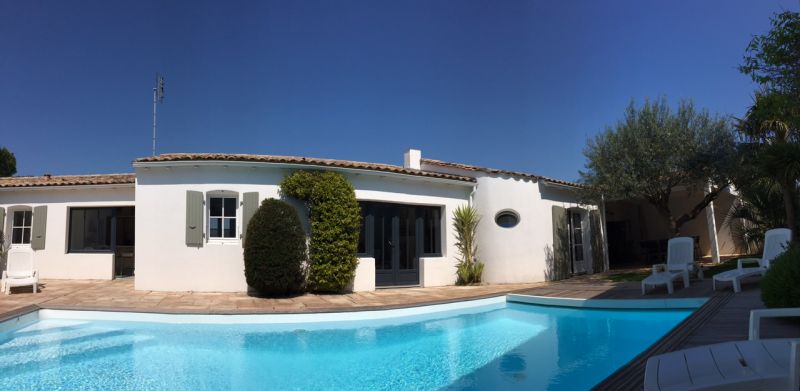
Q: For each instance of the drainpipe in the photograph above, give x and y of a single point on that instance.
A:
(472, 194)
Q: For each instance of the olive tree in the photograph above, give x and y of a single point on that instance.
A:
(653, 149)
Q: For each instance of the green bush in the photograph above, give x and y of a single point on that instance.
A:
(275, 250)
(779, 287)
(335, 224)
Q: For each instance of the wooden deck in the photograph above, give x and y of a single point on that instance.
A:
(725, 317)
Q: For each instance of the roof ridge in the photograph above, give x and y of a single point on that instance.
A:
(470, 167)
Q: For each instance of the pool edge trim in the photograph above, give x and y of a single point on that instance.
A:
(678, 303)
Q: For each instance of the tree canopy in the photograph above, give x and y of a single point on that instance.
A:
(8, 163)
(773, 59)
(771, 127)
(654, 149)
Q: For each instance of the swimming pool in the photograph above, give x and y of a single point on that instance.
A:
(485, 344)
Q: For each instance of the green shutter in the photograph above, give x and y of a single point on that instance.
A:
(194, 218)
(250, 205)
(3, 222)
(598, 261)
(39, 227)
(558, 265)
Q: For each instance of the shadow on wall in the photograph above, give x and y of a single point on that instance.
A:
(557, 257)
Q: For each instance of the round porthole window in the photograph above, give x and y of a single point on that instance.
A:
(506, 218)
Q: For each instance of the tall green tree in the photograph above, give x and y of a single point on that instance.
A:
(773, 59)
(771, 128)
(8, 163)
(654, 149)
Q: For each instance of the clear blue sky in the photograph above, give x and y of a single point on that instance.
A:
(510, 84)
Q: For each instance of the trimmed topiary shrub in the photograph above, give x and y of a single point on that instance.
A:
(335, 224)
(779, 287)
(275, 250)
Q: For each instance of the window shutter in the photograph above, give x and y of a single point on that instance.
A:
(250, 205)
(3, 223)
(598, 261)
(194, 218)
(558, 267)
(39, 227)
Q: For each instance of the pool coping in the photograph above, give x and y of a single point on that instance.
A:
(666, 303)
(651, 303)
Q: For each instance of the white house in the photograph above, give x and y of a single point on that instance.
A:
(177, 223)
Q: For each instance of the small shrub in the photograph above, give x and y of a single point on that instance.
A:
(335, 224)
(275, 250)
(465, 224)
(779, 287)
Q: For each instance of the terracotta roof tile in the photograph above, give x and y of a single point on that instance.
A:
(173, 157)
(67, 180)
(488, 170)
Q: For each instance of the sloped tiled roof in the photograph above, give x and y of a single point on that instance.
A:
(488, 170)
(67, 180)
(175, 157)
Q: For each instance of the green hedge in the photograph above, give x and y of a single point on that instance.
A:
(275, 250)
(335, 224)
(779, 287)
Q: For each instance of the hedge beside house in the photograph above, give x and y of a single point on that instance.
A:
(335, 224)
(275, 250)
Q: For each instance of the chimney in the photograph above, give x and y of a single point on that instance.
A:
(411, 159)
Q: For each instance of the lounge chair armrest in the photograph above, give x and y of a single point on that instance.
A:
(750, 260)
(659, 267)
(756, 315)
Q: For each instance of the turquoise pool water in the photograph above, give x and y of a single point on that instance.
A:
(498, 346)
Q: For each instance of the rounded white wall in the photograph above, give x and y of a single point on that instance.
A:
(510, 255)
(521, 253)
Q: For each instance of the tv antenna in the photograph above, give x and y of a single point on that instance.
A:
(158, 97)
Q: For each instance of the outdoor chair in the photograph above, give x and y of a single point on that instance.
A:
(755, 364)
(19, 270)
(775, 243)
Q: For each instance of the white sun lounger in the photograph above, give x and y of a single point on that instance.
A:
(680, 260)
(755, 364)
(19, 271)
(775, 243)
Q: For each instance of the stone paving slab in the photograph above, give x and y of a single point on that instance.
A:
(116, 295)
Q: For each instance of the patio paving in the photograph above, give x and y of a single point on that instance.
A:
(120, 295)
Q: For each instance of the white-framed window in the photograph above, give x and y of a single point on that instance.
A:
(21, 221)
(222, 210)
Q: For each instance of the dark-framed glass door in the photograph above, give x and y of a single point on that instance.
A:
(395, 245)
(396, 236)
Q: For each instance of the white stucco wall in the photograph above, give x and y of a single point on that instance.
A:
(519, 254)
(164, 262)
(54, 261)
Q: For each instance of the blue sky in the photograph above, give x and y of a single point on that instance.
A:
(513, 84)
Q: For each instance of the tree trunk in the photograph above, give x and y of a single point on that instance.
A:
(789, 206)
(663, 209)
